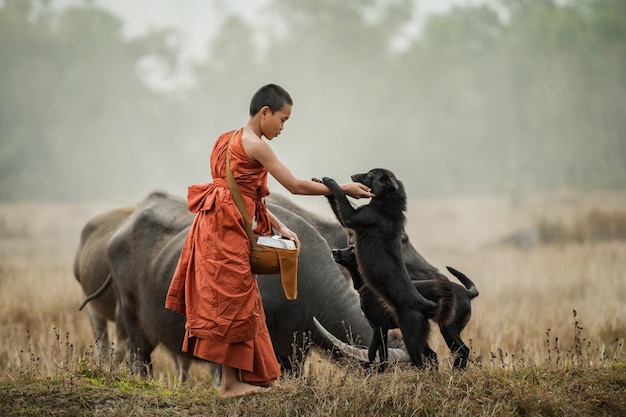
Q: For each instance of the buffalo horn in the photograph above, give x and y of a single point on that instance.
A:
(359, 353)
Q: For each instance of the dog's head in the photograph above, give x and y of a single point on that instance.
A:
(345, 257)
(381, 181)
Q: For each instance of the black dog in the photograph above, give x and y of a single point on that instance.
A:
(378, 228)
(438, 290)
(430, 288)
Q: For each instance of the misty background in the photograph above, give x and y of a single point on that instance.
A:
(474, 98)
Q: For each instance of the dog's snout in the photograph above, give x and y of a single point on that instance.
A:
(362, 178)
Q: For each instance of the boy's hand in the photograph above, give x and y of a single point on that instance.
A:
(357, 190)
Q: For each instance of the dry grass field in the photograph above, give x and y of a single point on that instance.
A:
(550, 298)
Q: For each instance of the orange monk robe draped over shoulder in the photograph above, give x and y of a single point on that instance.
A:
(213, 285)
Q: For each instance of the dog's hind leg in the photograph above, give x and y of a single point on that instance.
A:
(459, 350)
(414, 327)
(383, 355)
(375, 344)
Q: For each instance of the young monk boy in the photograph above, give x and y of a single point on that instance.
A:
(213, 285)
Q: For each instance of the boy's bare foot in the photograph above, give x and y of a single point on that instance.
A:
(240, 388)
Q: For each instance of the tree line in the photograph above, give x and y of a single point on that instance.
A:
(509, 96)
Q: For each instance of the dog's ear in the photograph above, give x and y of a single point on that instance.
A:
(389, 181)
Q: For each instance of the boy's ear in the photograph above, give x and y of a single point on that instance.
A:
(264, 110)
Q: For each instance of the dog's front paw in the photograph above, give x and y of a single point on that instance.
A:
(329, 182)
(330, 197)
(333, 185)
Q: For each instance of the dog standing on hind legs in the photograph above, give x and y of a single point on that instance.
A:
(438, 290)
(378, 228)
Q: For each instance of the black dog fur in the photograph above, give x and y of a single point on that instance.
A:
(378, 228)
(438, 290)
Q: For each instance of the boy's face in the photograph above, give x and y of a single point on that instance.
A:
(272, 124)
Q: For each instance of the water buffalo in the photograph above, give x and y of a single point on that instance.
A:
(143, 253)
(94, 266)
(91, 269)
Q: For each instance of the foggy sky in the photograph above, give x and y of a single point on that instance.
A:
(199, 20)
(474, 105)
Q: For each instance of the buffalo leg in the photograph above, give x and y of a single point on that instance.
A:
(121, 342)
(431, 357)
(183, 363)
(215, 369)
(100, 333)
(138, 348)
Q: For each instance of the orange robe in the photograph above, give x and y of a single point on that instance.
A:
(213, 285)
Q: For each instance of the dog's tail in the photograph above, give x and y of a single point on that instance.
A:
(472, 291)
